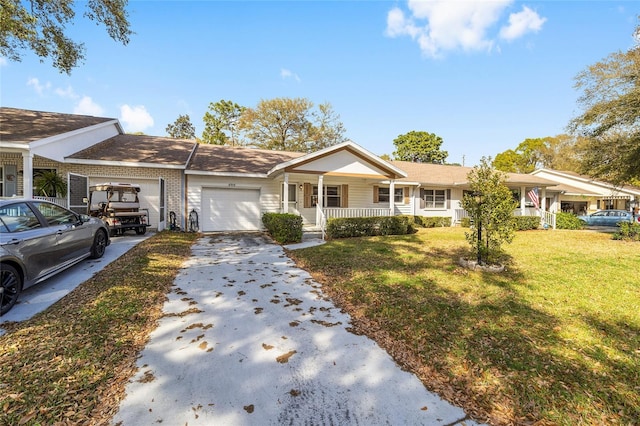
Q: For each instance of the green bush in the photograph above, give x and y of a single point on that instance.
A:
(465, 222)
(285, 228)
(628, 231)
(525, 223)
(568, 221)
(432, 222)
(368, 226)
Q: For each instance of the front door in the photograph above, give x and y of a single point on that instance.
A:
(78, 193)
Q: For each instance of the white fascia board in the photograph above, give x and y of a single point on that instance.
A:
(226, 174)
(586, 180)
(60, 146)
(14, 147)
(400, 183)
(372, 157)
(122, 164)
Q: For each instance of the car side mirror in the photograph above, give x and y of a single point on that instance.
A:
(84, 218)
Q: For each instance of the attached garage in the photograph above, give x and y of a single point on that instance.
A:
(149, 195)
(230, 209)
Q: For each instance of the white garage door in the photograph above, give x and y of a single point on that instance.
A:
(230, 209)
(149, 195)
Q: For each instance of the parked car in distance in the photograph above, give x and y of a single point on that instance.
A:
(608, 218)
(38, 239)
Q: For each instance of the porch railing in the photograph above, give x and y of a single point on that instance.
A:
(56, 200)
(355, 212)
(548, 218)
(322, 220)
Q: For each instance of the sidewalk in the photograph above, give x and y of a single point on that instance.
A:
(249, 339)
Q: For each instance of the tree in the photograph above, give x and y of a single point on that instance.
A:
(328, 130)
(610, 119)
(286, 124)
(221, 123)
(559, 152)
(39, 26)
(182, 128)
(49, 183)
(419, 147)
(490, 205)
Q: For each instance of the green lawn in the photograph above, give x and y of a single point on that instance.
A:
(554, 339)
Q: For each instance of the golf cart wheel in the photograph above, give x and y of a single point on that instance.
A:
(141, 230)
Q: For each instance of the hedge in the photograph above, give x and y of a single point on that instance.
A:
(432, 222)
(368, 226)
(525, 223)
(568, 221)
(285, 228)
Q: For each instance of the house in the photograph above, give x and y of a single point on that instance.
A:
(229, 188)
(581, 194)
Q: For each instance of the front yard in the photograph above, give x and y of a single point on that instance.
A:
(555, 339)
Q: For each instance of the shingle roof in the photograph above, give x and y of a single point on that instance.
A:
(229, 159)
(446, 175)
(25, 126)
(139, 149)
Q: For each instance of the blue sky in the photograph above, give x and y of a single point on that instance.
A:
(483, 75)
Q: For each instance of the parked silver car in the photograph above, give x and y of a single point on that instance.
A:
(38, 239)
(608, 218)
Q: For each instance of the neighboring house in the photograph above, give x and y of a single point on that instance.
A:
(229, 188)
(581, 194)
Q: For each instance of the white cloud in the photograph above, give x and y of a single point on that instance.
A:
(37, 86)
(439, 26)
(521, 23)
(68, 93)
(87, 106)
(135, 119)
(3, 61)
(285, 73)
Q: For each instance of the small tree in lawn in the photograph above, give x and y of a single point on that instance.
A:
(490, 205)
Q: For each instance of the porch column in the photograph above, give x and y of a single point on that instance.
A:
(27, 174)
(523, 200)
(320, 201)
(543, 199)
(285, 194)
(392, 184)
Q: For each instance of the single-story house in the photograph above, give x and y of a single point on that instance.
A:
(229, 188)
(582, 194)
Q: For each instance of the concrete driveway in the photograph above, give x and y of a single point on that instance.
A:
(39, 297)
(249, 339)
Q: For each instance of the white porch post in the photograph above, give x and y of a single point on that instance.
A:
(320, 201)
(523, 200)
(27, 174)
(285, 194)
(543, 199)
(392, 189)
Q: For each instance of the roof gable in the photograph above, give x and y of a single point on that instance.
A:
(345, 159)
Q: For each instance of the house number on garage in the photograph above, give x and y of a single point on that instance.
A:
(232, 185)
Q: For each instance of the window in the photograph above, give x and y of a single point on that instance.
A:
(292, 190)
(434, 198)
(18, 217)
(56, 215)
(398, 195)
(330, 197)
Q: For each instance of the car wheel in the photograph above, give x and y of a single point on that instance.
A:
(141, 230)
(99, 245)
(10, 287)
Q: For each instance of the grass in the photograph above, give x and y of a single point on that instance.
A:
(70, 364)
(554, 340)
